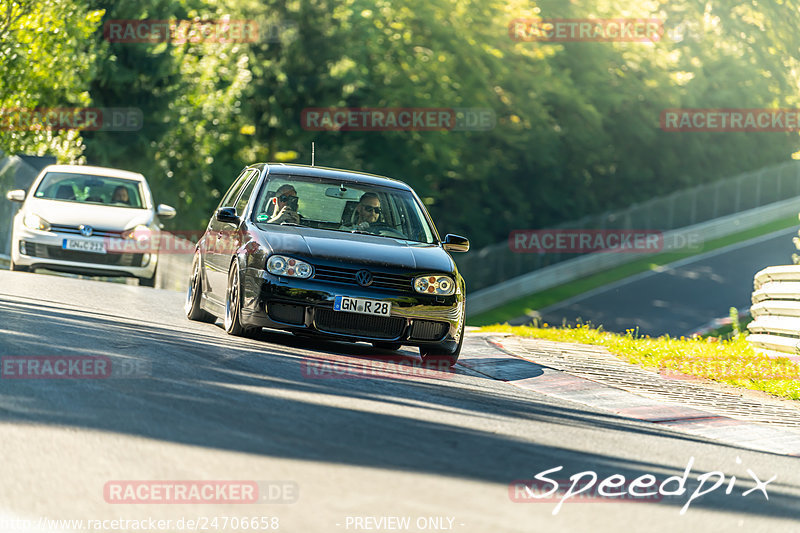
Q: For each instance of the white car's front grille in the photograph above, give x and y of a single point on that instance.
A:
(74, 230)
(45, 251)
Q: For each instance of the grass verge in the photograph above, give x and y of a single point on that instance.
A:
(733, 361)
(540, 300)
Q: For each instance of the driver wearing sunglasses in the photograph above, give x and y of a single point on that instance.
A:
(285, 202)
(367, 212)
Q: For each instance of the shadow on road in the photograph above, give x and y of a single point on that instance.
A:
(256, 396)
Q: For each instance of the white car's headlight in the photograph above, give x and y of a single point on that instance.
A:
(437, 285)
(286, 266)
(138, 233)
(33, 221)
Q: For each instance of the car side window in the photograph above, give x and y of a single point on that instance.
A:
(230, 196)
(241, 203)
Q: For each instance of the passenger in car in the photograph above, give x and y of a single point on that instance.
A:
(284, 205)
(120, 195)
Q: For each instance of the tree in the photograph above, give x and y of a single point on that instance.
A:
(46, 60)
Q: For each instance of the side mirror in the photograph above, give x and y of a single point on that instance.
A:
(455, 243)
(227, 214)
(17, 195)
(165, 211)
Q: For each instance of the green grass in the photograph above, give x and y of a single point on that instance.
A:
(540, 300)
(733, 361)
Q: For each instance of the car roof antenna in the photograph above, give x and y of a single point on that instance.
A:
(312, 153)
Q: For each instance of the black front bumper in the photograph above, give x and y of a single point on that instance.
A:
(307, 306)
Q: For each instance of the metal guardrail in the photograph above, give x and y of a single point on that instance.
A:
(775, 329)
(487, 267)
(585, 265)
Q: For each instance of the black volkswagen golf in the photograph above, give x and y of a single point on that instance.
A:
(335, 253)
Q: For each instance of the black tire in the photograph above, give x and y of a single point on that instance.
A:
(437, 356)
(194, 296)
(233, 307)
(18, 268)
(391, 346)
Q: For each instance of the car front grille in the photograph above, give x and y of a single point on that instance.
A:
(347, 276)
(45, 251)
(377, 327)
(427, 330)
(73, 230)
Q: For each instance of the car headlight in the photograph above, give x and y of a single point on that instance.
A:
(437, 285)
(286, 266)
(139, 233)
(36, 222)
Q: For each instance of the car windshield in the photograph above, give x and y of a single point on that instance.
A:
(90, 189)
(342, 206)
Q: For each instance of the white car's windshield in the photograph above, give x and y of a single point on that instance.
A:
(90, 189)
(342, 206)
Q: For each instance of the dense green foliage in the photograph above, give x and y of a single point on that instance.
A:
(577, 127)
(47, 55)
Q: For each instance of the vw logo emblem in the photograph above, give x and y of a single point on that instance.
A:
(86, 231)
(364, 278)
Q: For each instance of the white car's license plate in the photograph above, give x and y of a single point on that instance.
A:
(362, 305)
(95, 247)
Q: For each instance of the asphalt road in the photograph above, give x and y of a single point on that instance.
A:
(206, 406)
(678, 299)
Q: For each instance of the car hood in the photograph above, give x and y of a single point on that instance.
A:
(356, 248)
(97, 216)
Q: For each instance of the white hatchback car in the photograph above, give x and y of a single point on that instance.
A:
(73, 216)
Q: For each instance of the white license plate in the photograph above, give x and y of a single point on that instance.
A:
(361, 305)
(95, 247)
